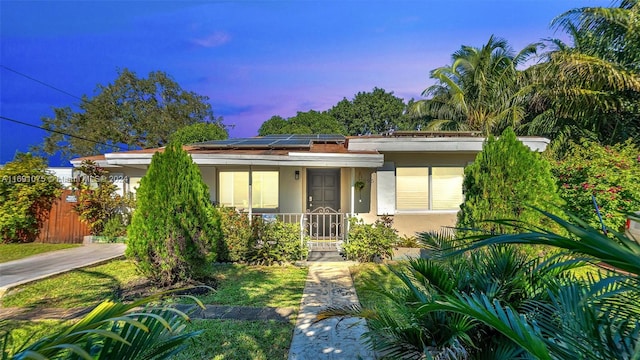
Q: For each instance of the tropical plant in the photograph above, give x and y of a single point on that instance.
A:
(481, 90)
(590, 88)
(370, 242)
(111, 331)
(409, 329)
(174, 229)
(27, 192)
(98, 200)
(608, 173)
(504, 177)
(482, 300)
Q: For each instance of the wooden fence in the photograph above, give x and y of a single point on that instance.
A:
(63, 225)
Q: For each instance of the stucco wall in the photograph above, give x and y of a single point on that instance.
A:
(411, 223)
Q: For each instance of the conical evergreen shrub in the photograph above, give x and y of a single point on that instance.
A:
(175, 227)
(504, 181)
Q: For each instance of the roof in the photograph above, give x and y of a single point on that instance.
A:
(322, 150)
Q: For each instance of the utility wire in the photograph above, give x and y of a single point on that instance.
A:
(50, 130)
(60, 132)
(41, 82)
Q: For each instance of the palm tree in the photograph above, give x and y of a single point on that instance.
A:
(480, 91)
(590, 88)
(111, 331)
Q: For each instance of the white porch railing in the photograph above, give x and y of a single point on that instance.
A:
(323, 228)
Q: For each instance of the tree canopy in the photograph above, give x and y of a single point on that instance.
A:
(479, 91)
(310, 122)
(131, 112)
(369, 112)
(199, 132)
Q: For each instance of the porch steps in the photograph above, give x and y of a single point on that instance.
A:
(325, 256)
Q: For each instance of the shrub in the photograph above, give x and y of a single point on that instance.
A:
(505, 178)
(276, 242)
(98, 200)
(236, 236)
(174, 229)
(610, 173)
(27, 192)
(368, 242)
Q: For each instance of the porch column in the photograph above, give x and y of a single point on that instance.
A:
(353, 191)
(250, 195)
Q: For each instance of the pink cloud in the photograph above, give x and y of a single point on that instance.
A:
(217, 38)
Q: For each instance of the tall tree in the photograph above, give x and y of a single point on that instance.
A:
(309, 122)
(590, 88)
(369, 112)
(199, 132)
(481, 90)
(133, 112)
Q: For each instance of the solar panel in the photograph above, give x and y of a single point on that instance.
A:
(273, 141)
(293, 143)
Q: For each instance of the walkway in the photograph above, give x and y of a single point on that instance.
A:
(328, 284)
(18, 272)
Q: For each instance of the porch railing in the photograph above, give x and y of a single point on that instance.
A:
(323, 228)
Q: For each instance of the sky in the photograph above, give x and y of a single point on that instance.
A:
(253, 59)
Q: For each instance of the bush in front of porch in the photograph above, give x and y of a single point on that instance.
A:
(370, 242)
(258, 241)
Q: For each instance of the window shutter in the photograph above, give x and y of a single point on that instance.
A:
(386, 189)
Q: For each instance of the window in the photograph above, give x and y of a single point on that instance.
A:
(429, 188)
(234, 189)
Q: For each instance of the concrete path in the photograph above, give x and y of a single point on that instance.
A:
(18, 272)
(328, 284)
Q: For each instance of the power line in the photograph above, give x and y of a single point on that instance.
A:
(61, 133)
(41, 82)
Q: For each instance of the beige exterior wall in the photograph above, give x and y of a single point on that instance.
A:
(411, 223)
(290, 199)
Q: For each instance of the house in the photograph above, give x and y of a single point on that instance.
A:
(317, 180)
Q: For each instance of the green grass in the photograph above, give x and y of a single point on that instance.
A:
(78, 288)
(23, 332)
(243, 285)
(377, 274)
(9, 252)
(238, 340)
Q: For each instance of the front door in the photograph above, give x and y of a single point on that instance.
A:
(323, 207)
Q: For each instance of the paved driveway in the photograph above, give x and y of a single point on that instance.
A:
(14, 273)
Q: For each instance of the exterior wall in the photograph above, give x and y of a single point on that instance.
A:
(290, 199)
(210, 177)
(407, 223)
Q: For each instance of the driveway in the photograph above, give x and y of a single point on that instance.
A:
(17, 272)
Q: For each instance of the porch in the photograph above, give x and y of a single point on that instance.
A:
(324, 229)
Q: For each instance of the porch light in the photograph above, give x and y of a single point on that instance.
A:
(297, 174)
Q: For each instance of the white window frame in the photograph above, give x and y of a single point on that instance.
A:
(253, 192)
(430, 208)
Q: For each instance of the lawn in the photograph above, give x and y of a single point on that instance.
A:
(368, 277)
(242, 285)
(78, 288)
(276, 286)
(9, 252)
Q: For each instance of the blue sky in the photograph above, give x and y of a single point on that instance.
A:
(253, 59)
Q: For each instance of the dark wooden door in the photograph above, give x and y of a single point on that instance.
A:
(323, 189)
(323, 203)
